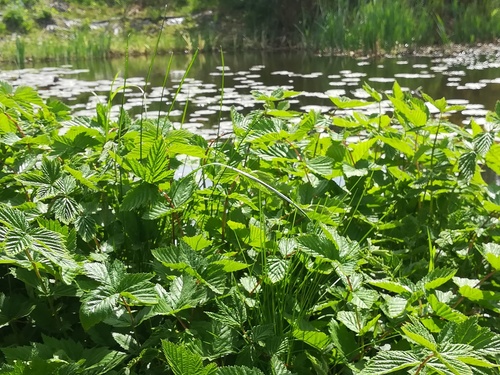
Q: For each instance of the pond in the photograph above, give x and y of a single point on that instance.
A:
(471, 78)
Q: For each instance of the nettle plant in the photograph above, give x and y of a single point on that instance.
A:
(306, 243)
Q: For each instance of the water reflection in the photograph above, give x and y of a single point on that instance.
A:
(211, 89)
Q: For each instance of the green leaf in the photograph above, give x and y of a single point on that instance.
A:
(278, 367)
(493, 158)
(344, 102)
(372, 92)
(140, 196)
(444, 311)
(399, 145)
(482, 143)
(364, 298)
(351, 320)
(475, 294)
(322, 165)
(394, 306)
(417, 333)
(491, 252)
(467, 165)
(438, 277)
(391, 286)
(386, 362)
(183, 190)
(343, 340)
(157, 163)
(277, 269)
(182, 361)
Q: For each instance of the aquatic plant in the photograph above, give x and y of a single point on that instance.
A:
(305, 243)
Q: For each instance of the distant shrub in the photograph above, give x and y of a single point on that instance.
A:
(16, 19)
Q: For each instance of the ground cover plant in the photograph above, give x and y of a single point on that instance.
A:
(304, 243)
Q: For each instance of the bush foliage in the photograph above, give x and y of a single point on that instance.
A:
(303, 244)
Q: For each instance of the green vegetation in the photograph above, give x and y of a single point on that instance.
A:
(90, 29)
(302, 244)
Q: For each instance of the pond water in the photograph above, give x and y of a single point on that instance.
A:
(471, 78)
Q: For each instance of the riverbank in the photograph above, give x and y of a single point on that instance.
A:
(62, 31)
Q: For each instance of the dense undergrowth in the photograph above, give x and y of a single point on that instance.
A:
(67, 30)
(303, 244)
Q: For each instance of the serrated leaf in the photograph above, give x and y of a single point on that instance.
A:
(386, 362)
(491, 252)
(438, 277)
(493, 158)
(182, 361)
(390, 286)
(277, 269)
(467, 165)
(475, 294)
(482, 143)
(394, 306)
(351, 320)
(344, 102)
(364, 298)
(417, 333)
(139, 196)
(182, 190)
(322, 165)
(444, 311)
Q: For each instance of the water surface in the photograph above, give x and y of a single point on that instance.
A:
(212, 87)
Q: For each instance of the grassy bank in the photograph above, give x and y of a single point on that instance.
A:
(35, 30)
(302, 244)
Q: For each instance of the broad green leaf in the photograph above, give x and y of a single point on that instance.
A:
(369, 325)
(343, 340)
(277, 269)
(197, 242)
(182, 361)
(344, 102)
(359, 150)
(372, 92)
(482, 143)
(467, 165)
(475, 294)
(322, 165)
(229, 265)
(391, 286)
(352, 320)
(491, 252)
(313, 337)
(394, 306)
(386, 362)
(417, 333)
(438, 277)
(493, 158)
(139, 196)
(182, 190)
(445, 311)
(364, 298)
(399, 145)
(278, 367)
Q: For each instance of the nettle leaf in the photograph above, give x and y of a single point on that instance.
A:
(278, 367)
(415, 332)
(140, 196)
(277, 269)
(344, 102)
(116, 286)
(233, 314)
(444, 311)
(322, 165)
(391, 286)
(467, 165)
(86, 227)
(184, 362)
(386, 362)
(482, 143)
(438, 277)
(306, 332)
(352, 320)
(394, 306)
(491, 252)
(157, 162)
(364, 298)
(183, 190)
